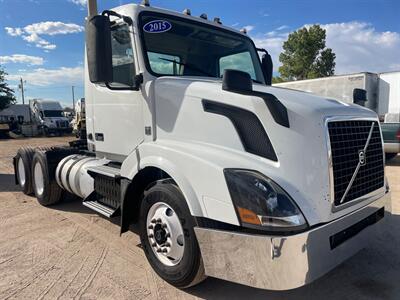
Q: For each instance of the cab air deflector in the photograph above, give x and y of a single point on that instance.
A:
(276, 108)
(249, 128)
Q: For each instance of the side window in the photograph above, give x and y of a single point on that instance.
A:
(164, 64)
(238, 61)
(122, 55)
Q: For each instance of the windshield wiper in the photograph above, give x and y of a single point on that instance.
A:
(188, 65)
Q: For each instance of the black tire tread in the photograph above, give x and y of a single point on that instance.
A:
(26, 153)
(196, 274)
(52, 191)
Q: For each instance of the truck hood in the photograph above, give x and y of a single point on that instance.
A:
(302, 167)
(302, 103)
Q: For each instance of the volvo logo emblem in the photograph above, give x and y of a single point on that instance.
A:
(361, 158)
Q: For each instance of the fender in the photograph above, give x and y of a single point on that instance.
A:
(208, 197)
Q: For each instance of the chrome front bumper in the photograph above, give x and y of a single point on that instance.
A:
(286, 262)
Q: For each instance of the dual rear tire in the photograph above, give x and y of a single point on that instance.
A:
(33, 176)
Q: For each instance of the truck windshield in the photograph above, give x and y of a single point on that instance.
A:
(52, 113)
(181, 47)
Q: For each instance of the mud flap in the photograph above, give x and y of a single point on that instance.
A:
(126, 206)
(15, 170)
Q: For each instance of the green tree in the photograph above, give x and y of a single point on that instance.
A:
(277, 79)
(305, 55)
(6, 93)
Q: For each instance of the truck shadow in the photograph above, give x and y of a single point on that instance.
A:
(71, 203)
(8, 183)
(394, 162)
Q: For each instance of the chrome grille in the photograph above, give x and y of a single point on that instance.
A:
(353, 177)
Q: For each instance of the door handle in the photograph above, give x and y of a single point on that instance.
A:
(99, 137)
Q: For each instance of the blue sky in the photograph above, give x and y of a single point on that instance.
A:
(43, 40)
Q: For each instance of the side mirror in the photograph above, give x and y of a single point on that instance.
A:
(236, 81)
(360, 96)
(266, 63)
(98, 49)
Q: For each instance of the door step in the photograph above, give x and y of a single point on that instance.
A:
(101, 208)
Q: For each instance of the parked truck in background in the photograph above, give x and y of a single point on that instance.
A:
(79, 122)
(391, 135)
(19, 120)
(225, 175)
(4, 127)
(49, 116)
(382, 96)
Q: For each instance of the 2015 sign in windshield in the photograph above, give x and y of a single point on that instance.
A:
(157, 26)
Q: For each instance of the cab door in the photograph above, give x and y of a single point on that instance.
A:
(117, 109)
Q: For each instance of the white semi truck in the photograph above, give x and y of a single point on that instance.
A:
(49, 116)
(225, 175)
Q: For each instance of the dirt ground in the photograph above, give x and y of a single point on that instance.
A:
(68, 251)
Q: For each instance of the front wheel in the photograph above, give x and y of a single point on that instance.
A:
(167, 235)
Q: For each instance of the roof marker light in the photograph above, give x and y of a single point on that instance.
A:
(203, 16)
(243, 30)
(187, 12)
(145, 2)
(217, 20)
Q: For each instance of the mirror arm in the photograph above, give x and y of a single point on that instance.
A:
(138, 80)
(262, 50)
(126, 19)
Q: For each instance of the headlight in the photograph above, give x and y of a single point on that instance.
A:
(261, 203)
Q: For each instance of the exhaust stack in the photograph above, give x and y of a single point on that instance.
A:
(92, 7)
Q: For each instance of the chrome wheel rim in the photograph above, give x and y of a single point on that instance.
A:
(165, 234)
(21, 172)
(39, 181)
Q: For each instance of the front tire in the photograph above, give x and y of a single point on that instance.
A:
(167, 235)
(47, 191)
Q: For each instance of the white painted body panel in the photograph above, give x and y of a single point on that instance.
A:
(194, 147)
(389, 93)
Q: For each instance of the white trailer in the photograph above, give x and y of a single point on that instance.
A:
(225, 175)
(389, 93)
(340, 87)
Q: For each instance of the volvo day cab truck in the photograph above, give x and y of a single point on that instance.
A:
(226, 176)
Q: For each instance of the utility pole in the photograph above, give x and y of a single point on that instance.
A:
(73, 99)
(21, 86)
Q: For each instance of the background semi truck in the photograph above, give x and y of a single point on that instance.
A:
(38, 117)
(49, 116)
(382, 96)
(225, 175)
